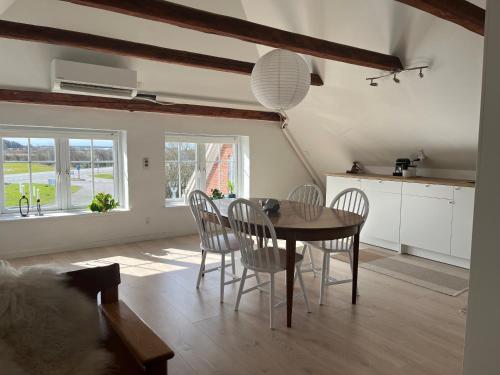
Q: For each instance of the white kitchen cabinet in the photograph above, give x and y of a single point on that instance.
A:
(430, 220)
(461, 228)
(383, 223)
(335, 185)
(426, 222)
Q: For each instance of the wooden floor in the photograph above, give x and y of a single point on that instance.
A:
(396, 328)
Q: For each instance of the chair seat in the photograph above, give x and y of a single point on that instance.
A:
(259, 262)
(331, 246)
(234, 245)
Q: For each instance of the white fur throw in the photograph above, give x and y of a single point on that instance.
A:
(46, 327)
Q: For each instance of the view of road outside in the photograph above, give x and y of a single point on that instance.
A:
(17, 153)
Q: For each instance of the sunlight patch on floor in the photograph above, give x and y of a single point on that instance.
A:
(133, 266)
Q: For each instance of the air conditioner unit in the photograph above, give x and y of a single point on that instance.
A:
(86, 79)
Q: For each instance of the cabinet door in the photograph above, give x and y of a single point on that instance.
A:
(426, 223)
(335, 185)
(461, 229)
(383, 217)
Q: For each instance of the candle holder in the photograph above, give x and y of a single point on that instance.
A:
(39, 207)
(21, 211)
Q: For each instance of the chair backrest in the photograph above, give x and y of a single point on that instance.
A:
(247, 220)
(351, 200)
(307, 193)
(212, 233)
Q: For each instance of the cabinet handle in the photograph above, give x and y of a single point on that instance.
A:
(451, 202)
(427, 185)
(457, 188)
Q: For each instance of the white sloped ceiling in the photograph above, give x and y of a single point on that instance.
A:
(348, 120)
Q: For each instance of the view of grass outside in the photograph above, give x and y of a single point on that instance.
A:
(47, 193)
(25, 160)
(108, 176)
(14, 168)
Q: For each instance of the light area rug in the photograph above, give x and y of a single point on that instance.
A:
(442, 278)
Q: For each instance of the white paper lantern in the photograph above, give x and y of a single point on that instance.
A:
(280, 79)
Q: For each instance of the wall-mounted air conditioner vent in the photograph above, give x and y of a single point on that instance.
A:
(86, 79)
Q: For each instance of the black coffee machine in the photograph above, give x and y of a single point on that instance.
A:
(401, 165)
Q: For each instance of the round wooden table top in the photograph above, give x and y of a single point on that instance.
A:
(306, 221)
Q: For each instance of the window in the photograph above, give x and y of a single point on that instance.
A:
(65, 168)
(199, 162)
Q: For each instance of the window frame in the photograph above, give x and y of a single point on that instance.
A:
(62, 168)
(200, 170)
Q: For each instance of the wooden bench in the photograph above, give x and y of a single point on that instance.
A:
(136, 348)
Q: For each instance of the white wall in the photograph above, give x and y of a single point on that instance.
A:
(274, 170)
(483, 320)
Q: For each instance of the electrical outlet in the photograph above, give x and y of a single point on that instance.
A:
(145, 163)
(147, 220)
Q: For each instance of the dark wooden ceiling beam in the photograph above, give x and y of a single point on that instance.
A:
(191, 18)
(135, 105)
(461, 12)
(49, 35)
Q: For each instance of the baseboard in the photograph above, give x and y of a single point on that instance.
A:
(90, 245)
(381, 243)
(443, 258)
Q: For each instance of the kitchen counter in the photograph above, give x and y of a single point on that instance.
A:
(418, 179)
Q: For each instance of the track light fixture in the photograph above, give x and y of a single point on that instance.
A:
(394, 75)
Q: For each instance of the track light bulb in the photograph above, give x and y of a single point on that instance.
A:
(396, 79)
(421, 74)
(373, 83)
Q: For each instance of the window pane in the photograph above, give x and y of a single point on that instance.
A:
(226, 175)
(103, 150)
(188, 177)
(15, 149)
(104, 178)
(188, 151)
(81, 184)
(44, 181)
(15, 174)
(212, 152)
(172, 173)
(171, 151)
(212, 177)
(79, 149)
(42, 149)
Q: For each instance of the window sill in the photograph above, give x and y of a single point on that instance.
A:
(60, 214)
(180, 203)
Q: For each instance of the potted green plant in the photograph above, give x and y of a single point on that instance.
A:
(217, 194)
(103, 202)
(230, 188)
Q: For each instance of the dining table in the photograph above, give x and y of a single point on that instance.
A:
(296, 221)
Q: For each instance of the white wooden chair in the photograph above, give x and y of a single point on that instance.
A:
(352, 200)
(247, 219)
(214, 238)
(308, 194)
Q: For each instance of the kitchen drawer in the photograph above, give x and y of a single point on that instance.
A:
(428, 190)
(383, 186)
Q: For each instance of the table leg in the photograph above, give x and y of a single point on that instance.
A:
(355, 259)
(290, 273)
